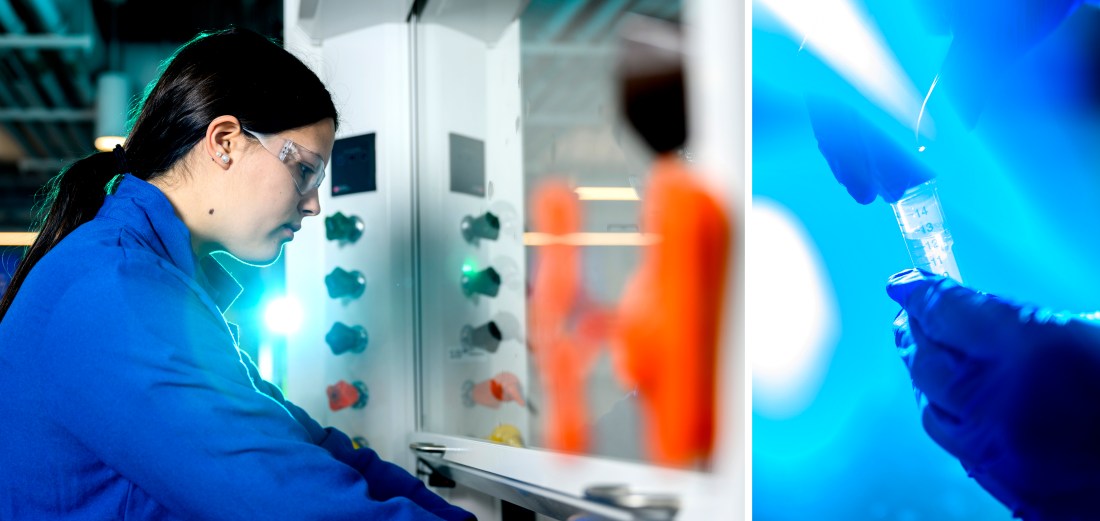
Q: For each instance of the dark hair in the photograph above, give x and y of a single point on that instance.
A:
(233, 71)
(651, 82)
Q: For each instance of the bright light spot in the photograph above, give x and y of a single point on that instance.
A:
(842, 37)
(921, 149)
(283, 315)
(108, 143)
(606, 193)
(266, 362)
(791, 326)
(467, 267)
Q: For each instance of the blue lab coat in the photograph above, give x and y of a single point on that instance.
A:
(125, 395)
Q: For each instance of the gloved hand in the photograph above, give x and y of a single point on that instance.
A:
(1011, 390)
(863, 158)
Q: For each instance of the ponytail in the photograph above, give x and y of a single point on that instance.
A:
(71, 198)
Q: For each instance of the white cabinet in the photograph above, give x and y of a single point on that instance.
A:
(468, 110)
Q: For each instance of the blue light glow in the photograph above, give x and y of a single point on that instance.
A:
(1017, 185)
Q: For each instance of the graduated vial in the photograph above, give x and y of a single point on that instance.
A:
(925, 231)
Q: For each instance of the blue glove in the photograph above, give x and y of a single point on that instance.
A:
(1011, 390)
(862, 157)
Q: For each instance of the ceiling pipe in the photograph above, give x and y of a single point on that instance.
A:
(46, 115)
(46, 75)
(63, 83)
(26, 136)
(46, 92)
(49, 41)
(7, 99)
(25, 94)
(29, 89)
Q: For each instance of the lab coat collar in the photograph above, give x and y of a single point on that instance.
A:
(157, 224)
(219, 283)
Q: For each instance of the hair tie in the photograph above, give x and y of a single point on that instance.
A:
(120, 160)
(121, 167)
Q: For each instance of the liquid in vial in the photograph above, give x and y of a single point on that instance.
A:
(925, 230)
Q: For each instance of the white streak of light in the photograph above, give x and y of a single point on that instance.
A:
(837, 32)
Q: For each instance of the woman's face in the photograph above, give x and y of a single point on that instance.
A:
(267, 207)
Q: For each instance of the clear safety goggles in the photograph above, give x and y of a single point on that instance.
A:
(307, 168)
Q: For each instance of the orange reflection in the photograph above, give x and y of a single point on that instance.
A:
(669, 315)
(564, 358)
(664, 331)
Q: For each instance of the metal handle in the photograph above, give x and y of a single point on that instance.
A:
(430, 448)
(646, 505)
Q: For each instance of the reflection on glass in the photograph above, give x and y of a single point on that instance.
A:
(536, 101)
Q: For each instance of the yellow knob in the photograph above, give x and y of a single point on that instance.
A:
(507, 434)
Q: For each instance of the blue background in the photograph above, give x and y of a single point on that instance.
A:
(1020, 191)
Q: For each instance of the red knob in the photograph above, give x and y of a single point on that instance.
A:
(342, 395)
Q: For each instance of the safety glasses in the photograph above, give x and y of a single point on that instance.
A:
(307, 168)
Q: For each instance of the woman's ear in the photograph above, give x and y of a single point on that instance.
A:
(223, 135)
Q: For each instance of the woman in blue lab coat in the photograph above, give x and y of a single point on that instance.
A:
(126, 395)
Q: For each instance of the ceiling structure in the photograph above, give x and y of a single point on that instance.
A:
(52, 51)
(572, 115)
